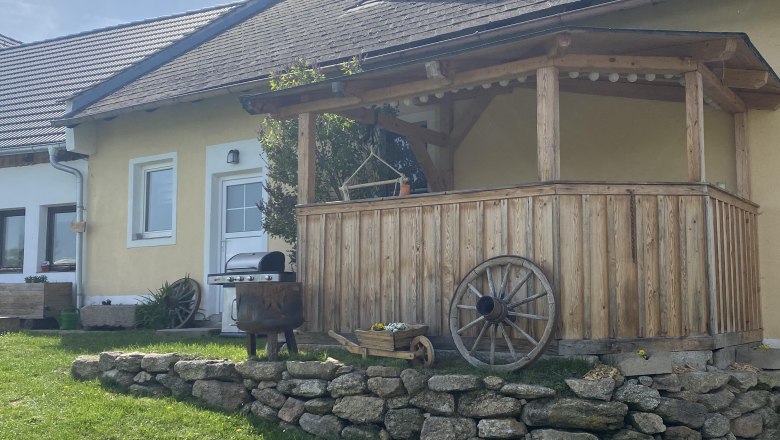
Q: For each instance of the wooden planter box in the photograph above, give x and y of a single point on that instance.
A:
(390, 341)
(34, 300)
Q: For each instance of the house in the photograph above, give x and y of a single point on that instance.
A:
(38, 202)
(569, 132)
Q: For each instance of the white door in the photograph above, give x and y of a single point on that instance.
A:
(240, 228)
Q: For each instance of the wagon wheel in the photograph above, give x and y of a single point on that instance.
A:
(423, 351)
(500, 296)
(183, 302)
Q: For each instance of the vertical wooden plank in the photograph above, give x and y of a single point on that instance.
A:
(626, 320)
(695, 258)
(431, 288)
(494, 222)
(548, 131)
(741, 271)
(307, 158)
(694, 112)
(599, 273)
(728, 242)
(450, 259)
(470, 233)
(742, 142)
(586, 275)
(734, 269)
(370, 302)
(669, 256)
(320, 315)
(520, 225)
(314, 265)
(648, 259)
(543, 247)
(350, 271)
(332, 288)
(301, 268)
(717, 265)
(410, 257)
(571, 293)
(389, 242)
(756, 273)
(639, 253)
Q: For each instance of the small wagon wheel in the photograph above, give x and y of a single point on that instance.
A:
(183, 302)
(500, 298)
(423, 351)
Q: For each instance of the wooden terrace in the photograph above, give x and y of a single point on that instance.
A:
(657, 265)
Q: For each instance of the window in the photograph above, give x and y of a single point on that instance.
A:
(152, 201)
(60, 238)
(11, 240)
(241, 213)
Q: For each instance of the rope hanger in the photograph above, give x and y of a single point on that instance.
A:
(346, 186)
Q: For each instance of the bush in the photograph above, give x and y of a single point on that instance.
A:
(36, 279)
(156, 310)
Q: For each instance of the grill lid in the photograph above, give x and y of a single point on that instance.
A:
(256, 262)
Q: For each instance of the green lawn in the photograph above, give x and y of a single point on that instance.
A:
(40, 400)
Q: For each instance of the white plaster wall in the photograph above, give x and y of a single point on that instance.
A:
(35, 188)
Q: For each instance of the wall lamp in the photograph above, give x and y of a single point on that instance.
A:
(232, 157)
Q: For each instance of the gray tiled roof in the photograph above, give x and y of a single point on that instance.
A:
(6, 41)
(317, 30)
(37, 78)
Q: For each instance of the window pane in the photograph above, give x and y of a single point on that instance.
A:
(63, 240)
(235, 196)
(159, 200)
(254, 193)
(235, 220)
(13, 241)
(253, 219)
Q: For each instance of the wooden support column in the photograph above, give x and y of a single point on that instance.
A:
(446, 152)
(307, 163)
(743, 154)
(548, 130)
(694, 112)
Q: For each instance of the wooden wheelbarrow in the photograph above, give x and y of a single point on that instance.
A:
(407, 344)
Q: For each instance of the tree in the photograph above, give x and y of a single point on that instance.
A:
(342, 145)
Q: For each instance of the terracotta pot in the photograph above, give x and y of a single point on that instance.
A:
(405, 189)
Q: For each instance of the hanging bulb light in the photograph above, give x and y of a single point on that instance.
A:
(574, 75)
(407, 101)
(632, 77)
(503, 83)
(668, 76)
(439, 95)
(614, 77)
(650, 76)
(486, 85)
(594, 76)
(522, 78)
(423, 99)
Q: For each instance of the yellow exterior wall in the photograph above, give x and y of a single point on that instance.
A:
(759, 20)
(186, 129)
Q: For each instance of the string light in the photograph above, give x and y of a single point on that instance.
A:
(423, 99)
(594, 76)
(522, 78)
(503, 83)
(574, 75)
(650, 76)
(486, 85)
(614, 77)
(439, 95)
(632, 77)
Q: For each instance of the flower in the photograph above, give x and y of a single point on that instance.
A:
(378, 327)
(643, 354)
(761, 347)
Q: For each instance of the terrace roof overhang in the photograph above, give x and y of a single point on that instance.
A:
(735, 75)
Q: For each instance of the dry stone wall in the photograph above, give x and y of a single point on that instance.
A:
(332, 400)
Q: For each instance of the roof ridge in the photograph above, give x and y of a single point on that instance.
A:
(22, 45)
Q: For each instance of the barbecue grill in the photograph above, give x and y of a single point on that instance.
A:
(246, 268)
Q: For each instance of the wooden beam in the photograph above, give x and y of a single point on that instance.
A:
(548, 130)
(694, 112)
(703, 51)
(397, 126)
(760, 101)
(741, 78)
(743, 154)
(420, 150)
(650, 91)
(307, 153)
(624, 64)
(722, 95)
(446, 152)
(465, 123)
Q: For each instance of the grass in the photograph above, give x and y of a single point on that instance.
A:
(39, 399)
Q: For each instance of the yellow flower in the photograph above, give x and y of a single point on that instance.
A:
(643, 354)
(379, 326)
(761, 347)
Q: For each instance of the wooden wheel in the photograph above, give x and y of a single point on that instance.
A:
(183, 302)
(503, 313)
(423, 351)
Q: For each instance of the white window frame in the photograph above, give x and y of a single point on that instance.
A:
(136, 201)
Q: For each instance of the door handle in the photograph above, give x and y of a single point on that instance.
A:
(233, 309)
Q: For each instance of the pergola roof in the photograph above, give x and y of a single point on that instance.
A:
(736, 76)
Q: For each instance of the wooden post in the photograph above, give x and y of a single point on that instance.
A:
(743, 154)
(446, 153)
(694, 112)
(548, 130)
(307, 163)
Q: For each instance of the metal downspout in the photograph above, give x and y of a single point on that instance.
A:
(77, 285)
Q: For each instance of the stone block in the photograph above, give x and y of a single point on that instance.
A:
(767, 359)
(630, 364)
(697, 360)
(114, 316)
(724, 357)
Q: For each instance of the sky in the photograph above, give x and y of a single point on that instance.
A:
(35, 20)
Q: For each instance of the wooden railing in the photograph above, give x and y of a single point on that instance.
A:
(629, 261)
